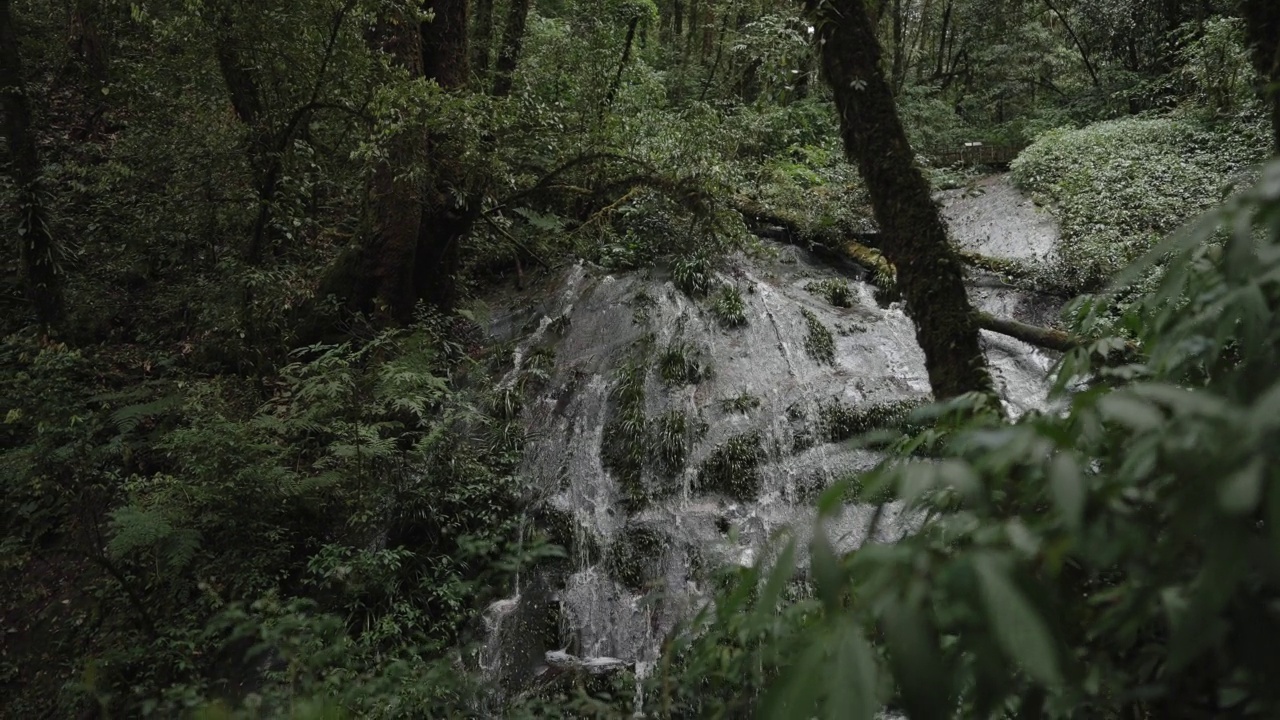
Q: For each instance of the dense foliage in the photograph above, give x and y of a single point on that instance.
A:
(258, 460)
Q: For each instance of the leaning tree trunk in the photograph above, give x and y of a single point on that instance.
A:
(41, 274)
(915, 239)
(509, 53)
(1262, 19)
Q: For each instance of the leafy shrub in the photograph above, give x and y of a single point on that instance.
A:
(1119, 186)
(693, 274)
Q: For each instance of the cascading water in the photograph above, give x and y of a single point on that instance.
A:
(747, 468)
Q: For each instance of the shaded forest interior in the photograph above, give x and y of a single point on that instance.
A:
(259, 459)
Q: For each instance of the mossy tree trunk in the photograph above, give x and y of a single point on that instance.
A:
(509, 53)
(482, 45)
(37, 247)
(1262, 20)
(445, 218)
(915, 239)
(396, 199)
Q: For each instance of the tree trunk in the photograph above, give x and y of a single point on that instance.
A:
(482, 48)
(899, 73)
(445, 220)
(509, 53)
(37, 247)
(444, 44)
(915, 239)
(622, 64)
(1262, 18)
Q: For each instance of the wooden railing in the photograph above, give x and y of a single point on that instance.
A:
(977, 154)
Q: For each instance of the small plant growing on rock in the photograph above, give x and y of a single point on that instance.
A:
(682, 364)
(820, 344)
(693, 274)
(729, 308)
(733, 469)
(741, 403)
(836, 292)
(633, 559)
(840, 421)
(667, 436)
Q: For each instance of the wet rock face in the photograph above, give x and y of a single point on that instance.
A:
(665, 441)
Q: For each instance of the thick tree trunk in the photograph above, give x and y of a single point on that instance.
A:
(1262, 19)
(482, 47)
(915, 239)
(444, 44)
(37, 248)
(445, 220)
(509, 53)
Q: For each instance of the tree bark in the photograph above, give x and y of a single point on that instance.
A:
(444, 44)
(1262, 21)
(445, 219)
(509, 53)
(482, 47)
(915, 239)
(42, 276)
(622, 64)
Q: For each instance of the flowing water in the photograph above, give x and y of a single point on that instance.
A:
(597, 610)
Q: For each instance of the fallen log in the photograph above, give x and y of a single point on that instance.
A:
(1048, 338)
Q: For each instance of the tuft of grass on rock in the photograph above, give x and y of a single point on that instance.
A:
(682, 364)
(729, 308)
(819, 344)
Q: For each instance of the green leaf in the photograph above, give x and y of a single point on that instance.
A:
(1067, 485)
(1018, 627)
(1241, 491)
(923, 679)
(1130, 411)
(851, 682)
(827, 573)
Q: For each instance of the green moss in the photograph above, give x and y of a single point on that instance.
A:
(634, 559)
(741, 403)
(729, 308)
(682, 364)
(839, 421)
(819, 344)
(625, 442)
(836, 292)
(733, 469)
